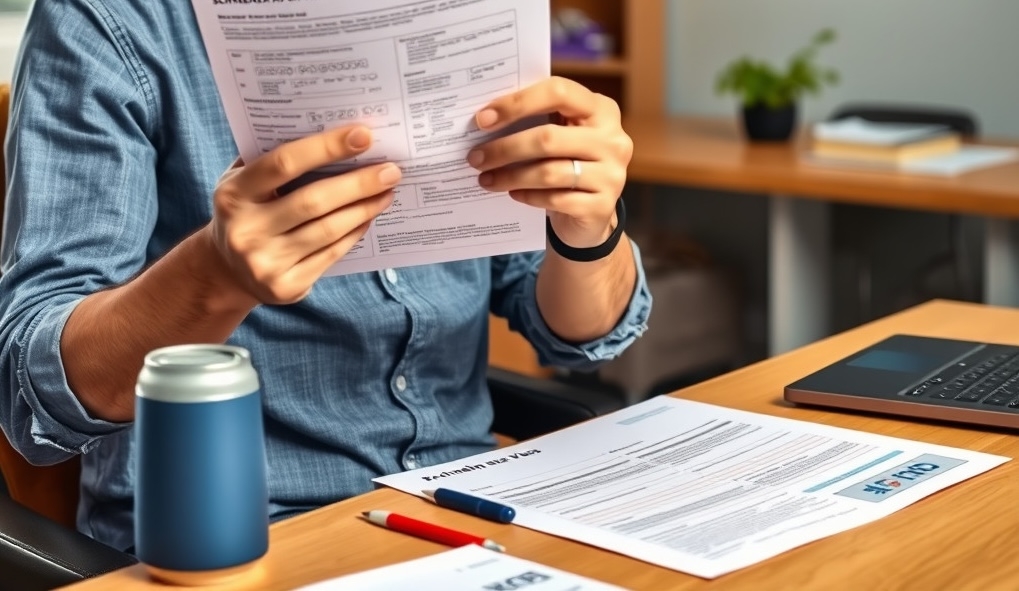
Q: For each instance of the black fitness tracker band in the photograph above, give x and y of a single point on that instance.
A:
(586, 255)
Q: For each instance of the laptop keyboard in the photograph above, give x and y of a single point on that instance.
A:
(992, 382)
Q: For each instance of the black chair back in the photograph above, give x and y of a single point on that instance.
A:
(961, 121)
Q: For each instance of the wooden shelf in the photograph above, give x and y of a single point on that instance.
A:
(613, 66)
(634, 75)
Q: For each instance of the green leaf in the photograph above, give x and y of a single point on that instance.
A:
(757, 82)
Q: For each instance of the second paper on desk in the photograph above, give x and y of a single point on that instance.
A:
(467, 568)
(700, 488)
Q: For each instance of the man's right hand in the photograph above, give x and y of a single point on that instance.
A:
(277, 247)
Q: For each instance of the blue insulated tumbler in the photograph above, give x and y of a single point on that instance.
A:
(201, 500)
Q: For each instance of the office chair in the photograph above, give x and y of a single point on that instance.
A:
(966, 125)
(962, 122)
(40, 549)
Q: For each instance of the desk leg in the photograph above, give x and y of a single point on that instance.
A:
(1001, 262)
(799, 255)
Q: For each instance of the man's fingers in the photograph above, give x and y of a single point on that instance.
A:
(259, 179)
(556, 173)
(308, 270)
(544, 141)
(324, 196)
(554, 95)
(329, 229)
(283, 273)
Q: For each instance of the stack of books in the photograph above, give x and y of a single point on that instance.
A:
(859, 140)
(914, 148)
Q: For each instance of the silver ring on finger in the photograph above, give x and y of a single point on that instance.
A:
(576, 174)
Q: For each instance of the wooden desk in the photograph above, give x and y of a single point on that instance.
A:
(711, 154)
(959, 538)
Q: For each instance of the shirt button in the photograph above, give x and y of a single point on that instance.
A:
(401, 383)
(391, 276)
(411, 462)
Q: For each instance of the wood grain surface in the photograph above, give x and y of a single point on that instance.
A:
(711, 153)
(960, 538)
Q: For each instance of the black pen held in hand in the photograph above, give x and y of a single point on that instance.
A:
(471, 505)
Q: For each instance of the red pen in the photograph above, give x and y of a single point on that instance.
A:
(428, 531)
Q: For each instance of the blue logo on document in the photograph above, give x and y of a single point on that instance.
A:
(901, 477)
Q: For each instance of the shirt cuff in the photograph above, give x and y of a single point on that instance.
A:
(587, 356)
(58, 418)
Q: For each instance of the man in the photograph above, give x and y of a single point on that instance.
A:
(124, 235)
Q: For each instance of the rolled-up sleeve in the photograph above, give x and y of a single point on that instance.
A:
(514, 297)
(80, 210)
(48, 422)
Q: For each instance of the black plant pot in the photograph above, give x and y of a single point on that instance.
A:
(763, 123)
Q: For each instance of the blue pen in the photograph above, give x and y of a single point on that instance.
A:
(472, 505)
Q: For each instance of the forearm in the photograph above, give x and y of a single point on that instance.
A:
(182, 298)
(584, 301)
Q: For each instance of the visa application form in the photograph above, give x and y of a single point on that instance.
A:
(416, 73)
(701, 488)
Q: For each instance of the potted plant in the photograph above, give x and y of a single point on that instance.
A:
(769, 96)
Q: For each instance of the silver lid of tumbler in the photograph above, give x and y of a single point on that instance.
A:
(197, 373)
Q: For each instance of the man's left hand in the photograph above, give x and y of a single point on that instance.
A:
(574, 168)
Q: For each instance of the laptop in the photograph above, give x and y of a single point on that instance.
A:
(921, 377)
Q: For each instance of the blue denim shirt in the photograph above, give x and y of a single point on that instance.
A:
(118, 138)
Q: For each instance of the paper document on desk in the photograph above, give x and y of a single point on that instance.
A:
(469, 568)
(700, 488)
(416, 72)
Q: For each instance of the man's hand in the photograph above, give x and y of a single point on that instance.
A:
(259, 247)
(537, 167)
(575, 169)
(277, 247)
